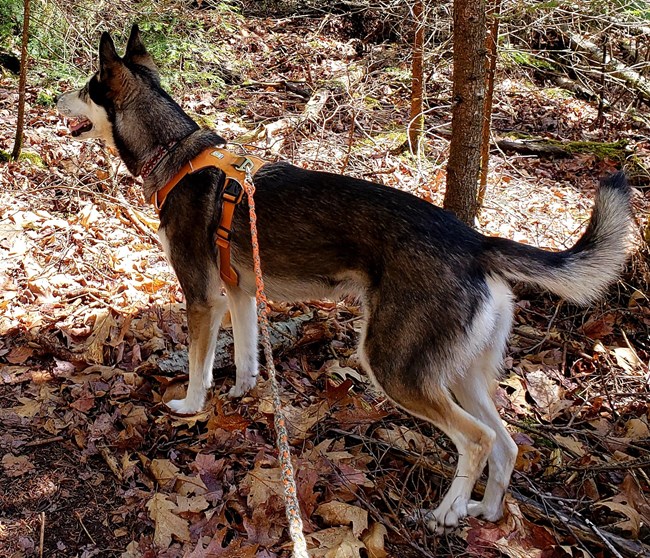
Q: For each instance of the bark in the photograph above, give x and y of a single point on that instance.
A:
(491, 66)
(416, 117)
(461, 196)
(21, 86)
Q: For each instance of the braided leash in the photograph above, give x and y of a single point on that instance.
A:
(288, 480)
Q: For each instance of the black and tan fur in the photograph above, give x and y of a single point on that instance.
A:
(436, 294)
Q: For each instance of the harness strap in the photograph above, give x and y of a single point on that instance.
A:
(236, 169)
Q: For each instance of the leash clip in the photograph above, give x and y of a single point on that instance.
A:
(243, 164)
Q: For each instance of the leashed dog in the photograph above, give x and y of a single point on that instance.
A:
(436, 295)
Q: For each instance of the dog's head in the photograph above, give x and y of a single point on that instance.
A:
(91, 110)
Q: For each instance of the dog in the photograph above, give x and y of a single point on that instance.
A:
(436, 294)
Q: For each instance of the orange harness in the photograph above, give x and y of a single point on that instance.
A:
(236, 169)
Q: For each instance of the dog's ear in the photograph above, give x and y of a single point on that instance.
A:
(109, 60)
(136, 52)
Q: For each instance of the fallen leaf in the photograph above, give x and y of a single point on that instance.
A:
(168, 524)
(339, 513)
(626, 358)
(637, 429)
(19, 355)
(16, 466)
(374, 541)
(631, 524)
(164, 471)
(336, 542)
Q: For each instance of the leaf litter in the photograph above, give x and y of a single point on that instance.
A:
(94, 340)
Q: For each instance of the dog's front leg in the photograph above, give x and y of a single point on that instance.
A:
(244, 329)
(203, 320)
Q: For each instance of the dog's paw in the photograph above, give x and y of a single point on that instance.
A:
(443, 520)
(184, 406)
(477, 508)
(242, 388)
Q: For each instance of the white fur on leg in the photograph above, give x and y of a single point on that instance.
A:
(475, 394)
(475, 397)
(472, 455)
(204, 329)
(244, 328)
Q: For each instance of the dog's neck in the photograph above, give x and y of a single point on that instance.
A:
(158, 155)
(164, 163)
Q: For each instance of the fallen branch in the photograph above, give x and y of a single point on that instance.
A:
(275, 130)
(614, 66)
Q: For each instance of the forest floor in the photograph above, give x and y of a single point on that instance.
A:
(93, 339)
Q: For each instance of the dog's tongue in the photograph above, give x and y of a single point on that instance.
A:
(79, 126)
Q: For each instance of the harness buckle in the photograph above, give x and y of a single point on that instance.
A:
(232, 191)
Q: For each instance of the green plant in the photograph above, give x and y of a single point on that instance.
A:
(11, 15)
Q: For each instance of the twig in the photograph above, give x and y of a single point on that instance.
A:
(547, 335)
(537, 432)
(84, 528)
(44, 441)
(42, 537)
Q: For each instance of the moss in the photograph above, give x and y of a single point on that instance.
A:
(34, 158)
(45, 98)
(557, 93)
(516, 57)
(202, 120)
(617, 151)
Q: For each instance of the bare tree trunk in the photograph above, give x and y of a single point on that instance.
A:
(461, 196)
(492, 42)
(21, 86)
(416, 117)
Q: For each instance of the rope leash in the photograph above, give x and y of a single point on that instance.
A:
(288, 480)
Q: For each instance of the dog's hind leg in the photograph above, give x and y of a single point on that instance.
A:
(244, 328)
(473, 441)
(434, 403)
(475, 392)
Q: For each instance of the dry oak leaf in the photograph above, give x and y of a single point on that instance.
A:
(339, 513)
(632, 522)
(262, 484)
(19, 355)
(168, 524)
(164, 471)
(16, 466)
(336, 542)
(104, 322)
(374, 541)
(193, 504)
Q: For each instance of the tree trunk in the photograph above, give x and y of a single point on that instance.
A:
(467, 113)
(21, 86)
(491, 66)
(416, 117)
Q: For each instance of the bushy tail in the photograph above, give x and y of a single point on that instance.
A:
(583, 272)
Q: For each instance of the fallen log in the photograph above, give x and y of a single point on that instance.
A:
(537, 147)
